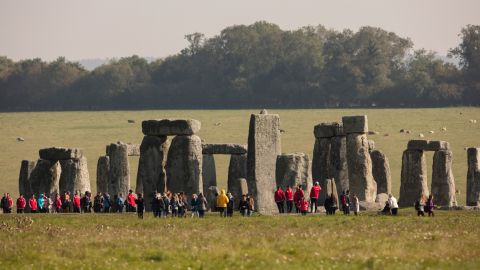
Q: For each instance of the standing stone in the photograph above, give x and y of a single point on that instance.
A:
(103, 168)
(184, 165)
(413, 181)
(473, 177)
(263, 147)
(338, 162)
(119, 174)
(238, 187)
(292, 170)
(45, 178)
(360, 176)
(330, 188)
(321, 163)
(209, 172)
(237, 169)
(443, 182)
(381, 172)
(75, 175)
(26, 169)
(151, 175)
(211, 196)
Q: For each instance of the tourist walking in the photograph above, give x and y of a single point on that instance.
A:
(314, 193)
(222, 201)
(243, 205)
(194, 205)
(76, 203)
(120, 201)
(355, 204)
(107, 203)
(140, 205)
(289, 199)
(32, 203)
(393, 204)
(21, 203)
(131, 204)
(280, 200)
(345, 200)
(230, 205)
(430, 206)
(297, 196)
(202, 205)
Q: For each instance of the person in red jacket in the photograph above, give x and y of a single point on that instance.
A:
(21, 203)
(58, 204)
(280, 200)
(32, 203)
(131, 204)
(289, 198)
(9, 203)
(76, 203)
(303, 206)
(314, 192)
(297, 197)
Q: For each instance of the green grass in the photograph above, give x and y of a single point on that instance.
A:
(91, 131)
(112, 241)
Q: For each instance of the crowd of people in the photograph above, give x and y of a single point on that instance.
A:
(169, 204)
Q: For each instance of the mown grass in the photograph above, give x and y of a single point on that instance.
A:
(91, 131)
(112, 241)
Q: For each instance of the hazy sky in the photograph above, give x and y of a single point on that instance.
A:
(114, 28)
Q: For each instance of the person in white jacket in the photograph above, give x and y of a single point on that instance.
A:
(393, 204)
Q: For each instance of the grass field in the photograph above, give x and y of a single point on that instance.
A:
(91, 131)
(112, 241)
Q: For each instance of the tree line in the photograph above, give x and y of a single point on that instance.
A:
(257, 65)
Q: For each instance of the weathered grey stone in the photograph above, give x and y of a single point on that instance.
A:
(326, 130)
(427, 145)
(381, 172)
(360, 176)
(133, 149)
(184, 165)
(371, 206)
(151, 174)
(224, 149)
(167, 127)
(26, 169)
(75, 175)
(209, 171)
(443, 182)
(264, 145)
(381, 198)
(473, 177)
(321, 164)
(119, 174)
(413, 180)
(237, 169)
(103, 168)
(211, 196)
(60, 153)
(355, 124)
(338, 162)
(292, 170)
(371, 145)
(238, 187)
(330, 188)
(45, 177)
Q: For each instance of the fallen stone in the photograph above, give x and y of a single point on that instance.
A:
(355, 124)
(381, 172)
(103, 168)
(167, 127)
(413, 181)
(224, 149)
(473, 177)
(264, 145)
(60, 153)
(443, 182)
(371, 206)
(427, 145)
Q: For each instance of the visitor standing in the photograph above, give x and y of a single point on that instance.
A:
(289, 198)
(355, 204)
(222, 201)
(243, 205)
(140, 205)
(202, 205)
(430, 206)
(314, 193)
(393, 204)
(131, 204)
(21, 203)
(32, 203)
(297, 196)
(280, 200)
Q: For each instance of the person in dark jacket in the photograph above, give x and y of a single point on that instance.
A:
(243, 205)
(140, 205)
(279, 197)
(194, 205)
(230, 205)
(430, 206)
(202, 205)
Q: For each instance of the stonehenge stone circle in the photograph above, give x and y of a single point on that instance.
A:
(413, 180)
(264, 145)
(443, 182)
(209, 171)
(119, 173)
(473, 176)
(224, 149)
(360, 175)
(238, 187)
(381, 172)
(26, 169)
(151, 174)
(103, 169)
(60, 153)
(184, 165)
(75, 175)
(167, 127)
(236, 169)
(427, 145)
(292, 170)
